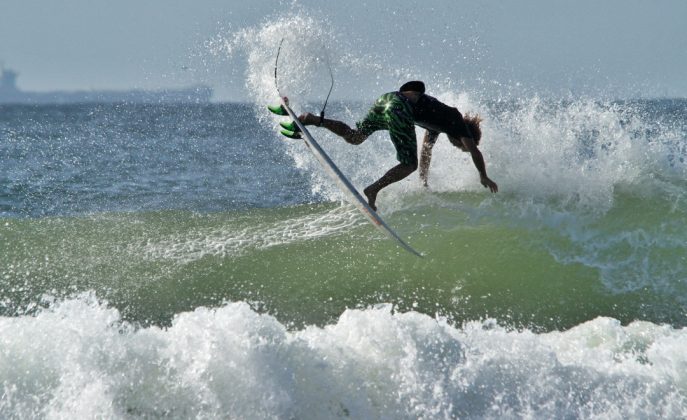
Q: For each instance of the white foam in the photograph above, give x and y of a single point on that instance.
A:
(78, 360)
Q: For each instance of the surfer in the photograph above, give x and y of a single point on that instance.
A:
(398, 112)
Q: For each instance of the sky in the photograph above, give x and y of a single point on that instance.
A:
(617, 48)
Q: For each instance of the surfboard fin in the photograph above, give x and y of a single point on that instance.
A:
(291, 134)
(290, 126)
(277, 109)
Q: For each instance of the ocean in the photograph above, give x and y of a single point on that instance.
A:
(186, 261)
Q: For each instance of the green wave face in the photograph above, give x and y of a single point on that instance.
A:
(307, 264)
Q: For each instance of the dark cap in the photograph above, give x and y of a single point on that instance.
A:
(413, 86)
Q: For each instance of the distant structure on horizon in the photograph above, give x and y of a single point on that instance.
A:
(10, 94)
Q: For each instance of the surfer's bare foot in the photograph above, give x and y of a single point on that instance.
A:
(309, 119)
(371, 197)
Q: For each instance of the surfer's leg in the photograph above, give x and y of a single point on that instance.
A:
(402, 133)
(339, 128)
(374, 120)
(394, 174)
(342, 130)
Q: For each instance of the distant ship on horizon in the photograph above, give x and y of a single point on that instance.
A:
(11, 94)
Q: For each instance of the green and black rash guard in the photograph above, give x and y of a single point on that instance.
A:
(434, 115)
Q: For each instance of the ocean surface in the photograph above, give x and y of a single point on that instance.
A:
(174, 261)
(186, 261)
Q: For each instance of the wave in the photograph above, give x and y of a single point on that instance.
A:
(77, 358)
(306, 264)
(576, 173)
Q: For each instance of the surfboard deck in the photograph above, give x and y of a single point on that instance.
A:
(342, 182)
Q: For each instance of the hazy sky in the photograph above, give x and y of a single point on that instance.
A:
(622, 48)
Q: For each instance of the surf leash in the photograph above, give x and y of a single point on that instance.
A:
(331, 77)
(331, 86)
(276, 65)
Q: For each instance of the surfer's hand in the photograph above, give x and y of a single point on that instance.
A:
(488, 183)
(309, 119)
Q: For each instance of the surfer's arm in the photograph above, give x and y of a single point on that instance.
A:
(426, 154)
(478, 160)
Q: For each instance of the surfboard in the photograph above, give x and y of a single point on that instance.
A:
(343, 183)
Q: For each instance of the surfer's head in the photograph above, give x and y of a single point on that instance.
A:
(413, 86)
(472, 122)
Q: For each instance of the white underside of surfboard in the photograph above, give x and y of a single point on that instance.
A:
(344, 184)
